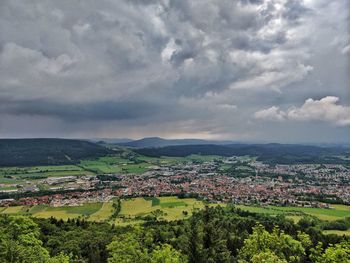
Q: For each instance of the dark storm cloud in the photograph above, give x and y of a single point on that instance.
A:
(106, 110)
(295, 10)
(171, 67)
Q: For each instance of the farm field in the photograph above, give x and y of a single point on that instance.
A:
(14, 210)
(172, 207)
(123, 163)
(136, 164)
(338, 232)
(168, 208)
(64, 212)
(19, 175)
(103, 213)
(334, 213)
(132, 210)
(139, 210)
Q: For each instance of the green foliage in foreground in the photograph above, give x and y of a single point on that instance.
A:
(20, 242)
(215, 234)
(338, 253)
(262, 246)
(128, 248)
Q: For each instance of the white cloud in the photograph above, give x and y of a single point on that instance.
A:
(326, 109)
(270, 114)
(346, 50)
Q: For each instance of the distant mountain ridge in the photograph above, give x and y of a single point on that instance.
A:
(151, 142)
(111, 140)
(272, 153)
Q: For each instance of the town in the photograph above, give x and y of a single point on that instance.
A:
(230, 179)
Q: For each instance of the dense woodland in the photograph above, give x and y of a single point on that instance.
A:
(30, 152)
(210, 235)
(269, 153)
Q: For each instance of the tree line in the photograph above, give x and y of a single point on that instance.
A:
(214, 234)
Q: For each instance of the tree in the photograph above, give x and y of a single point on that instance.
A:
(134, 247)
(276, 245)
(20, 241)
(267, 257)
(60, 258)
(127, 248)
(339, 253)
(167, 254)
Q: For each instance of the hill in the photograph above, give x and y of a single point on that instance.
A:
(110, 141)
(270, 153)
(28, 152)
(160, 142)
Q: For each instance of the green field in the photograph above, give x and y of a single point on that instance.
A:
(337, 232)
(334, 213)
(172, 208)
(104, 213)
(7, 188)
(136, 210)
(63, 212)
(19, 175)
(14, 210)
(132, 210)
(136, 163)
(123, 163)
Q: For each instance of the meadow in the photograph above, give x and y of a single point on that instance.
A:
(139, 210)
(132, 210)
(333, 213)
(20, 175)
(338, 232)
(123, 163)
(120, 163)
(167, 208)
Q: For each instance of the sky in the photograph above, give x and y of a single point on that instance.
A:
(244, 70)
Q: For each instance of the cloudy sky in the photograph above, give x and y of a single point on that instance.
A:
(247, 70)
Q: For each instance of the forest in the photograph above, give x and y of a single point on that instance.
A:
(214, 234)
(30, 152)
(272, 153)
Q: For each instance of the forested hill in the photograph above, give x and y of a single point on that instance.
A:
(271, 153)
(160, 142)
(27, 152)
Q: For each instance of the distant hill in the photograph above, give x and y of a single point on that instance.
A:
(270, 153)
(160, 142)
(27, 152)
(111, 140)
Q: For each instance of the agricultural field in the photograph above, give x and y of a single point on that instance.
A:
(124, 163)
(338, 232)
(139, 210)
(136, 163)
(132, 210)
(64, 212)
(164, 208)
(103, 213)
(20, 175)
(333, 213)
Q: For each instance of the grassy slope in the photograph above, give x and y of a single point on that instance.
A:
(104, 213)
(336, 211)
(171, 206)
(337, 232)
